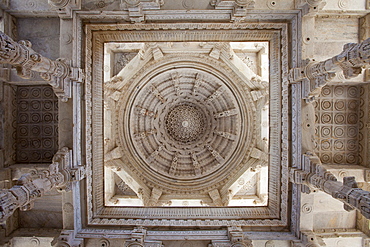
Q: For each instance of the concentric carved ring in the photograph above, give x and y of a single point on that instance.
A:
(185, 128)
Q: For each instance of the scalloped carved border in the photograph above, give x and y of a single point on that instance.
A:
(276, 213)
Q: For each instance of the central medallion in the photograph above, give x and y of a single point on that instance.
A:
(185, 123)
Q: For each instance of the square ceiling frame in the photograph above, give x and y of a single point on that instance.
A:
(276, 213)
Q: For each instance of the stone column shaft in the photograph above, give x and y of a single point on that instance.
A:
(25, 59)
(27, 189)
(314, 175)
(315, 75)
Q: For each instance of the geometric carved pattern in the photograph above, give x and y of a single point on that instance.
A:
(337, 124)
(37, 124)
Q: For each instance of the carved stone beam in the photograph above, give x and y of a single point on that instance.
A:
(65, 8)
(314, 175)
(315, 75)
(25, 59)
(27, 189)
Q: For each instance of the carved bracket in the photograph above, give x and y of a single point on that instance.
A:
(137, 8)
(60, 174)
(67, 238)
(313, 175)
(310, 7)
(235, 238)
(138, 238)
(239, 8)
(65, 8)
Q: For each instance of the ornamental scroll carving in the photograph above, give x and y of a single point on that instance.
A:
(58, 74)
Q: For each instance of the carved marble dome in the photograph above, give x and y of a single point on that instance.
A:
(187, 125)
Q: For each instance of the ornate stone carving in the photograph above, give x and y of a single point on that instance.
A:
(138, 239)
(137, 8)
(65, 8)
(278, 153)
(37, 124)
(337, 124)
(314, 175)
(185, 125)
(236, 239)
(310, 7)
(67, 238)
(315, 75)
(57, 73)
(59, 174)
(238, 8)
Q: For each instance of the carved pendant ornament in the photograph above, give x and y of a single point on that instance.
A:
(185, 128)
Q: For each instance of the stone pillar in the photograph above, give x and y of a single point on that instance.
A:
(25, 59)
(308, 239)
(67, 238)
(315, 75)
(22, 195)
(314, 175)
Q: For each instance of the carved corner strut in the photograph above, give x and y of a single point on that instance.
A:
(58, 74)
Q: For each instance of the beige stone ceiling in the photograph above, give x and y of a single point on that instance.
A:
(182, 125)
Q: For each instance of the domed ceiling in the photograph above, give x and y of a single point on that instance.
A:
(182, 127)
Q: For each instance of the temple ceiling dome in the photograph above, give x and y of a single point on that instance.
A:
(188, 122)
